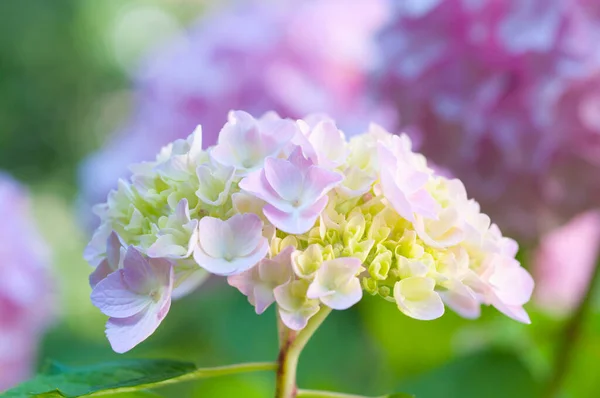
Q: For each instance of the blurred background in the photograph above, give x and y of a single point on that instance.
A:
(504, 94)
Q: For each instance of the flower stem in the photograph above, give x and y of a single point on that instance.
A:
(325, 394)
(570, 338)
(201, 373)
(290, 352)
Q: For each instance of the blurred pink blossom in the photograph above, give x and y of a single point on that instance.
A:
(564, 262)
(293, 56)
(506, 96)
(25, 288)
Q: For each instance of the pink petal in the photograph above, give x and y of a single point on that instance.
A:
(329, 142)
(263, 297)
(214, 236)
(515, 312)
(125, 333)
(221, 266)
(512, 284)
(244, 281)
(113, 250)
(256, 184)
(424, 204)
(137, 273)
(298, 158)
(296, 222)
(297, 320)
(395, 196)
(284, 178)
(246, 234)
(462, 301)
(318, 182)
(113, 297)
(101, 272)
(277, 270)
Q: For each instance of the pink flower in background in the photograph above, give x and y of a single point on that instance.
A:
(564, 262)
(25, 296)
(506, 96)
(294, 57)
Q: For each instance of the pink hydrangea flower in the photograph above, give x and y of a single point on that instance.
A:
(254, 56)
(232, 246)
(502, 94)
(336, 284)
(26, 296)
(403, 180)
(258, 283)
(564, 262)
(295, 190)
(245, 142)
(412, 237)
(506, 285)
(295, 309)
(136, 297)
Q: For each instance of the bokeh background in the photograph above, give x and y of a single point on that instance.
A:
(81, 76)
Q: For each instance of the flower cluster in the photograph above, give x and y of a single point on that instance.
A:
(505, 95)
(26, 301)
(256, 56)
(294, 213)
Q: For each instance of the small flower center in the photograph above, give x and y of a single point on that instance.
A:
(155, 295)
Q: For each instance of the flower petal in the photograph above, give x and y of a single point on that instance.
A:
(296, 222)
(345, 297)
(285, 179)
(246, 234)
(113, 297)
(125, 333)
(416, 298)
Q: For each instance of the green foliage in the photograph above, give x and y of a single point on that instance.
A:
(61, 381)
(53, 83)
(490, 374)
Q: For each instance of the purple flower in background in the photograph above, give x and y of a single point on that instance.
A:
(505, 95)
(25, 294)
(294, 57)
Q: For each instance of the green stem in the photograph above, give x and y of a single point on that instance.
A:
(290, 352)
(284, 333)
(325, 394)
(201, 373)
(570, 338)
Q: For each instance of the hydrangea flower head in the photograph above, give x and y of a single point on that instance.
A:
(505, 95)
(295, 226)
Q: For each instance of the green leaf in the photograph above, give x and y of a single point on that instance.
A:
(490, 374)
(399, 395)
(61, 381)
(120, 377)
